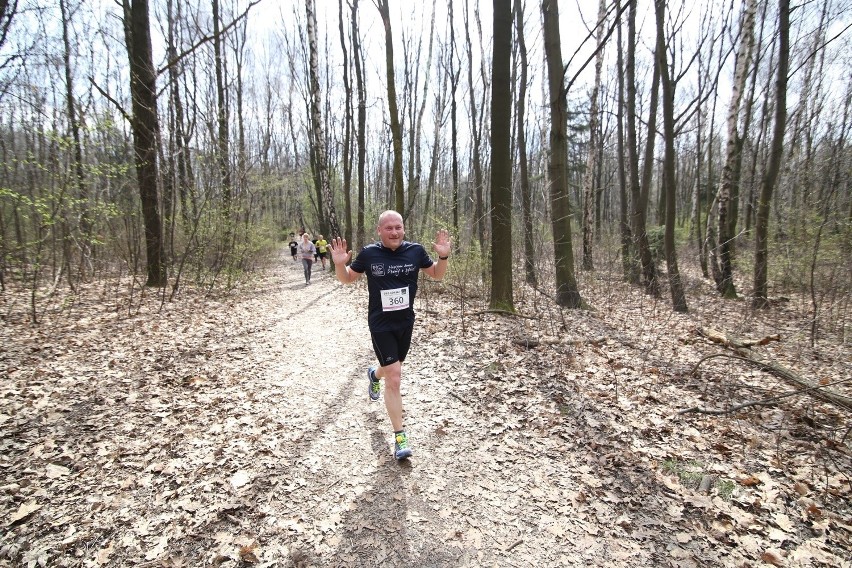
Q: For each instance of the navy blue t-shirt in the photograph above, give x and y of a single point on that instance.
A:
(391, 282)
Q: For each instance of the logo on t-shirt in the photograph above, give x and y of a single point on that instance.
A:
(377, 269)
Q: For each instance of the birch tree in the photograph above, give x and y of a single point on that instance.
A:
(733, 146)
(317, 133)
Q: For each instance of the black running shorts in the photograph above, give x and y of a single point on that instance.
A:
(392, 346)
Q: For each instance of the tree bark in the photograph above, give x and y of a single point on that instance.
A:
(670, 181)
(733, 147)
(501, 166)
(393, 111)
(476, 138)
(523, 165)
(146, 131)
(770, 177)
(223, 137)
(591, 160)
(567, 293)
(320, 160)
(347, 131)
(628, 261)
(638, 205)
(360, 235)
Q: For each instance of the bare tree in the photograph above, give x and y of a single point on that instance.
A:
(770, 176)
(523, 161)
(476, 137)
(222, 122)
(628, 259)
(317, 131)
(501, 167)
(567, 293)
(670, 181)
(146, 131)
(74, 127)
(591, 160)
(396, 128)
(347, 130)
(639, 188)
(733, 147)
(361, 137)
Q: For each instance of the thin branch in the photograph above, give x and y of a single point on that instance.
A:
(601, 45)
(209, 38)
(764, 402)
(107, 96)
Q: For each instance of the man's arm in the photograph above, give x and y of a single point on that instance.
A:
(340, 256)
(437, 270)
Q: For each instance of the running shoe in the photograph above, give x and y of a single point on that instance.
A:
(375, 385)
(401, 450)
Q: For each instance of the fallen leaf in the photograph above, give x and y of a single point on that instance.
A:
(56, 471)
(247, 554)
(772, 557)
(102, 557)
(24, 511)
(240, 479)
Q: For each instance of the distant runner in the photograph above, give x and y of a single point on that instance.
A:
(392, 266)
(322, 249)
(307, 251)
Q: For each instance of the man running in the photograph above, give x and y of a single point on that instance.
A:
(322, 249)
(392, 266)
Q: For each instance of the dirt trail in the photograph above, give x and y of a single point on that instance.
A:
(238, 432)
(340, 497)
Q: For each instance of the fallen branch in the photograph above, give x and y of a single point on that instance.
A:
(722, 338)
(502, 313)
(764, 402)
(740, 347)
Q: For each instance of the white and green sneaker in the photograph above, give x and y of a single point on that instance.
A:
(401, 450)
(375, 386)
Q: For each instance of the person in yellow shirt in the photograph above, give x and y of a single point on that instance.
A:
(322, 249)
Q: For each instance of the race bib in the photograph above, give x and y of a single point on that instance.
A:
(396, 299)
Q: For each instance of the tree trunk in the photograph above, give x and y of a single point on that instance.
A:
(567, 293)
(670, 183)
(223, 147)
(74, 126)
(360, 233)
(476, 139)
(454, 83)
(146, 130)
(396, 129)
(523, 166)
(317, 124)
(770, 177)
(628, 261)
(638, 204)
(501, 166)
(729, 179)
(591, 160)
(347, 132)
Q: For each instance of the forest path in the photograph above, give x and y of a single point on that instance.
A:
(236, 430)
(338, 493)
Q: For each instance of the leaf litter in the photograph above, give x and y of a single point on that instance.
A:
(235, 430)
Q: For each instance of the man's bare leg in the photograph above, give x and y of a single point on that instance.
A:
(392, 374)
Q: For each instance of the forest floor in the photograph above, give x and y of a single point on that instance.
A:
(235, 430)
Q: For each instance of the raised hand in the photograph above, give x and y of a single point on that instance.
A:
(442, 244)
(339, 253)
